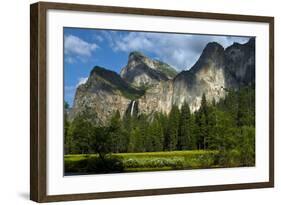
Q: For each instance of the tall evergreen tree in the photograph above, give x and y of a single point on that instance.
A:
(211, 121)
(101, 141)
(120, 137)
(185, 140)
(204, 105)
(155, 135)
(245, 112)
(136, 143)
(164, 121)
(173, 129)
(82, 133)
(68, 140)
(201, 120)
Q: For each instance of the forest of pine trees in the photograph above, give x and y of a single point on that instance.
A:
(227, 126)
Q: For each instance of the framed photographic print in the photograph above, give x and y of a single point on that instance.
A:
(135, 102)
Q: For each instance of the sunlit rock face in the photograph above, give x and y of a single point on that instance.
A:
(147, 86)
(157, 99)
(103, 94)
(206, 76)
(216, 71)
(142, 71)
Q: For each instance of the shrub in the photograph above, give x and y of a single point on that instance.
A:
(175, 163)
(229, 158)
(94, 165)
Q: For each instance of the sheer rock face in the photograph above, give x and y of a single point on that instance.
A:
(157, 99)
(104, 93)
(148, 86)
(240, 64)
(142, 71)
(206, 76)
(215, 71)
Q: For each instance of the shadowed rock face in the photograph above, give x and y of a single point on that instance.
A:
(148, 86)
(240, 64)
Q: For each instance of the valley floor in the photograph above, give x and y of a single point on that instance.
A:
(145, 161)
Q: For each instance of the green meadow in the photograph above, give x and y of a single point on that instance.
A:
(134, 162)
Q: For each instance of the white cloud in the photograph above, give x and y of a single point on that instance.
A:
(178, 50)
(81, 81)
(133, 41)
(99, 38)
(75, 47)
(70, 60)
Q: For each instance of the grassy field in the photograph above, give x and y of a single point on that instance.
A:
(134, 162)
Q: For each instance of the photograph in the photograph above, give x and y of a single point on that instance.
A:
(138, 101)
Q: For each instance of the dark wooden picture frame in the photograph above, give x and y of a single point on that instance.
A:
(38, 101)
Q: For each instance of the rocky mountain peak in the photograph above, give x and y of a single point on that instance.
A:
(250, 44)
(102, 81)
(103, 72)
(101, 78)
(212, 50)
(136, 56)
(104, 92)
(213, 47)
(212, 57)
(205, 76)
(97, 69)
(142, 71)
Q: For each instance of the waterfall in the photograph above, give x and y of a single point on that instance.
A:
(132, 108)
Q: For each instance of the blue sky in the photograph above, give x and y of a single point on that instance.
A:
(85, 48)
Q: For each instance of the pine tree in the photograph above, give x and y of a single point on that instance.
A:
(82, 133)
(136, 143)
(164, 121)
(68, 140)
(158, 137)
(119, 136)
(211, 121)
(145, 143)
(201, 120)
(101, 141)
(204, 105)
(185, 140)
(245, 111)
(241, 115)
(172, 135)
(155, 135)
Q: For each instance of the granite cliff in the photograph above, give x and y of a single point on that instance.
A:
(147, 86)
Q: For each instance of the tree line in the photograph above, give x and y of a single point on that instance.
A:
(227, 126)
